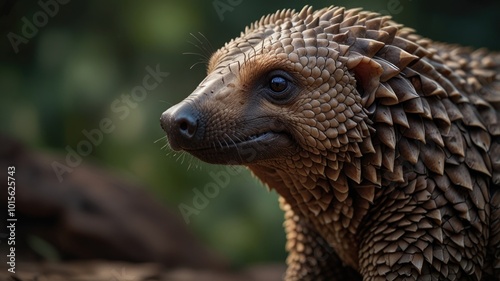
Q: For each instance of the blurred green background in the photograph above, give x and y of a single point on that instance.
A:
(64, 79)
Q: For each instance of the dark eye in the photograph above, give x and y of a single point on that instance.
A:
(278, 84)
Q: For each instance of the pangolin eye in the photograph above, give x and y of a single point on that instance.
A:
(278, 84)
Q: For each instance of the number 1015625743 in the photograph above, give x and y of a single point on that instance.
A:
(11, 191)
(11, 219)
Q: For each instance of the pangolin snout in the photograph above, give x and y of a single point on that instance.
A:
(180, 122)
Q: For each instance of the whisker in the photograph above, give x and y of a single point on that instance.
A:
(210, 47)
(191, 159)
(164, 137)
(204, 46)
(195, 54)
(202, 54)
(196, 63)
(235, 145)
(165, 146)
(220, 144)
(179, 157)
(237, 138)
(225, 141)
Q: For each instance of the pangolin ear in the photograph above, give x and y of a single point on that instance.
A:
(367, 73)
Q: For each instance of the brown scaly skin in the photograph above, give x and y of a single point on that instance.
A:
(384, 146)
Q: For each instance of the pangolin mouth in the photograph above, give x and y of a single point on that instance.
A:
(256, 137)
(253, 148)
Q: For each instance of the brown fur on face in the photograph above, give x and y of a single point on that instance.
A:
(384, 145)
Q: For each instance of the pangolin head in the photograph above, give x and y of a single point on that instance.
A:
(295, 90)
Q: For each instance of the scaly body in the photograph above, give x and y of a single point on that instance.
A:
(384, 146)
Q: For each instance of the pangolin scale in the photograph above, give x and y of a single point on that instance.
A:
(384, 146)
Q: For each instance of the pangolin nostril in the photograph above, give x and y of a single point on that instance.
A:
(184, 126)
(187, 126)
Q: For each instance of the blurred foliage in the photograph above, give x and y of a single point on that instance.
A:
(65, 78)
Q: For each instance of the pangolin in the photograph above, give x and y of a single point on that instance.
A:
(383, 145)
